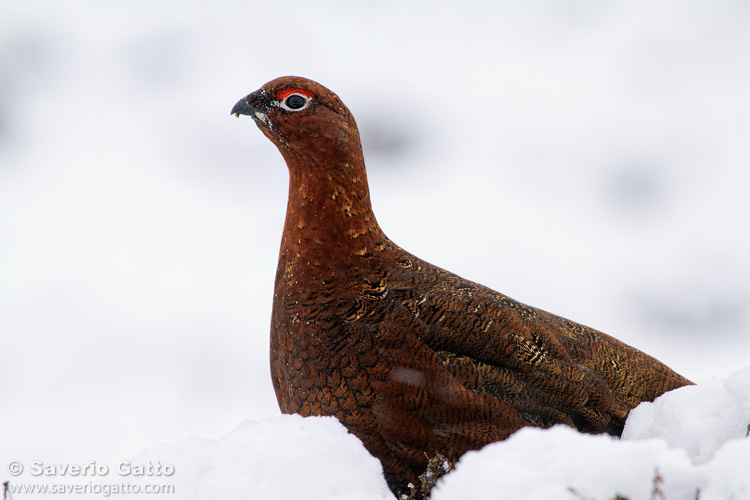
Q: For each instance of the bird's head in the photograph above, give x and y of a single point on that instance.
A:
(300, 116)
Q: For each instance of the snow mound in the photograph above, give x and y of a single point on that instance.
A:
(562, 463)
(699, 419)
(281, 457)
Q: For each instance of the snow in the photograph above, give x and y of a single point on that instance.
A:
(719, 412)
(589, 159)
(541, 464)
(278, 457)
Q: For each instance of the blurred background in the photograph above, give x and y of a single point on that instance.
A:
(589, 158)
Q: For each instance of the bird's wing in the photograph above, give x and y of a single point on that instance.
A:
(550, 369)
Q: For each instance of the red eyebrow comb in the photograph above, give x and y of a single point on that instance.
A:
(283, 93)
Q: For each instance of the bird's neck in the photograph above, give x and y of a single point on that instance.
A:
(329, 218)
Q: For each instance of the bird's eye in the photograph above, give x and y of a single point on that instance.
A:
(295, 101)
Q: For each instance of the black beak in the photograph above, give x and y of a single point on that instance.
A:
(243, 108)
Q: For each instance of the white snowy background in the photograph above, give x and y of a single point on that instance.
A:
(590, 158)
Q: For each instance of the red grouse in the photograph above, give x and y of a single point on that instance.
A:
(411, 358)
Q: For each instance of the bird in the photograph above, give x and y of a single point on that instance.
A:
(413, 359)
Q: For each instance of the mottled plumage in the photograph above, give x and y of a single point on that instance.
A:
(413, 359)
